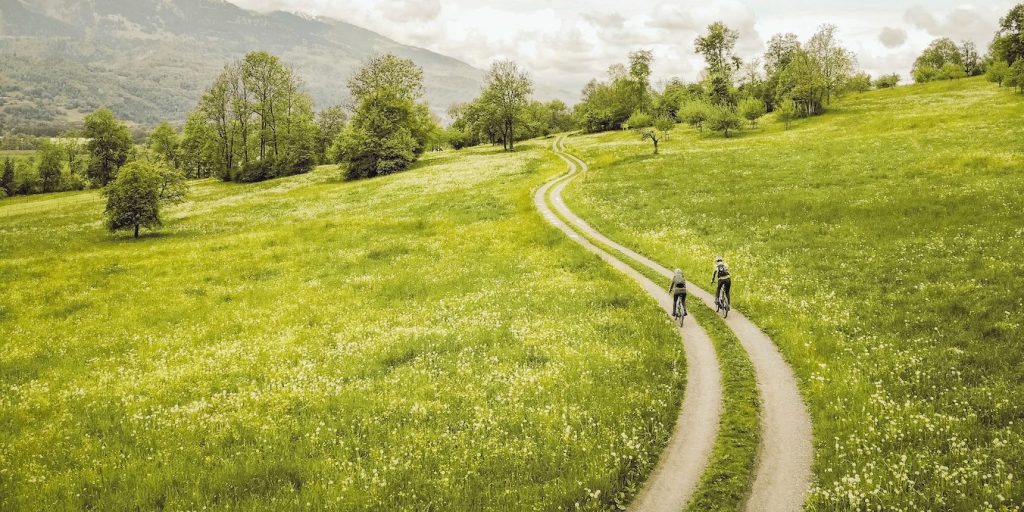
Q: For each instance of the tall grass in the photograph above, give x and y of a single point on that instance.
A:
(417, 342)
(880, 246)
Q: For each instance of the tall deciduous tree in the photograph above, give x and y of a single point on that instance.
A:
(164, 142)
(7, 177)
(110, 144)
(329, 122)
(835, 63)
(262, 122)
(508, 92)
(717, 47)
(389, 129)
(198, 150)
(1008, 45)
(51, 162)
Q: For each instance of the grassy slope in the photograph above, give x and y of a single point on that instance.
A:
(880, 246)
(422, 341)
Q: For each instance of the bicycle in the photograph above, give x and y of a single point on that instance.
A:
(722, 303)
(680, 310)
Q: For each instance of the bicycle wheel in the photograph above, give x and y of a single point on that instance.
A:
(681, 310)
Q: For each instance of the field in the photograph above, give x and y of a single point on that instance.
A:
(881, 247)
(418, 342)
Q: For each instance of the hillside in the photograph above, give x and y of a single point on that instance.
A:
(880, 247)
(393, 344)
(150, 60)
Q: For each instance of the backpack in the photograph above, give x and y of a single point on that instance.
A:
(723, 271)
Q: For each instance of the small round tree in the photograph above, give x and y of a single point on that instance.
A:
(135, 196)
(725, 120)
(752, 109)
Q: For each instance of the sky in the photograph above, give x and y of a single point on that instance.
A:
(566, 43)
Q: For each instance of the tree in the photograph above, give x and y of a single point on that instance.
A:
(640, 78)
(752, 109)
(662, 125)
(887, 81)
(329, 122)
(263, 124)
(860, 82)
(507, 91)
(7, 178)
(787, 112)
(835, 63)
(804, 82)
(389, 130)
(971, 59)
(198, 150)
(724, 119)
(998, 72)
(109, 145)
(164, 142)
(1008, 45)
(940, 54)
(51, 162)
(695, 113)
(718, 46)
(1016, 76)
(134, 198)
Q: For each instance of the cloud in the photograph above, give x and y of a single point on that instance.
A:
(962, 23)
(892, 37)
(412, 10)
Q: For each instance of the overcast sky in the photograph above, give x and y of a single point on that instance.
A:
(566, 43)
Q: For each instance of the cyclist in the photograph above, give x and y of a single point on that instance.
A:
(721, 274)
(678, 289)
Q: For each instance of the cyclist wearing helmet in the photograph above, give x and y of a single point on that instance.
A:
(678, 289)
(721, 274)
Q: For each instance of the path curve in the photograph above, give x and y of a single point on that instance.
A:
(689, 449)
(783, 474)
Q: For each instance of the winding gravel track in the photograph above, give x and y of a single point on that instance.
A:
(783, 474)
(684, 459)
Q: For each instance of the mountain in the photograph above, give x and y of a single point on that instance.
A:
(150, 60)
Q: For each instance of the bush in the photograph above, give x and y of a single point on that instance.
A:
(887, 81)
(695, 113)
(860, 82)
(638, 120)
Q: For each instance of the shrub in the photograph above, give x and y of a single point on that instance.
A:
(887, 81)
(638, 120)
(787, 112)
(695, 113)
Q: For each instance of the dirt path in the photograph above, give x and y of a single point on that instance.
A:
(686, 456)
(783, 472)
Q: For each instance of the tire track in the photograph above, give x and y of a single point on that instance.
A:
(686, 456)
(783, 473)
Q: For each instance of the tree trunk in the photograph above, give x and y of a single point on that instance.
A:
(136, 231)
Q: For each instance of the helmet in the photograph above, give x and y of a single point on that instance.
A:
(719, 259)
(679, 272)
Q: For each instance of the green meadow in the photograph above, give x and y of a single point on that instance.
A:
(423, 341)
(881, 247)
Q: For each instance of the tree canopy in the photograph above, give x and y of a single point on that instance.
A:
(110, 144)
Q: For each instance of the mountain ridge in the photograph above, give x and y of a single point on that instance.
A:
(150, 60)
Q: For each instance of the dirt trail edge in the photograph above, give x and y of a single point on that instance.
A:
(686, 457)
(783, 474)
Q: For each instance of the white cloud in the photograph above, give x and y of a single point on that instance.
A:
(567, 43)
